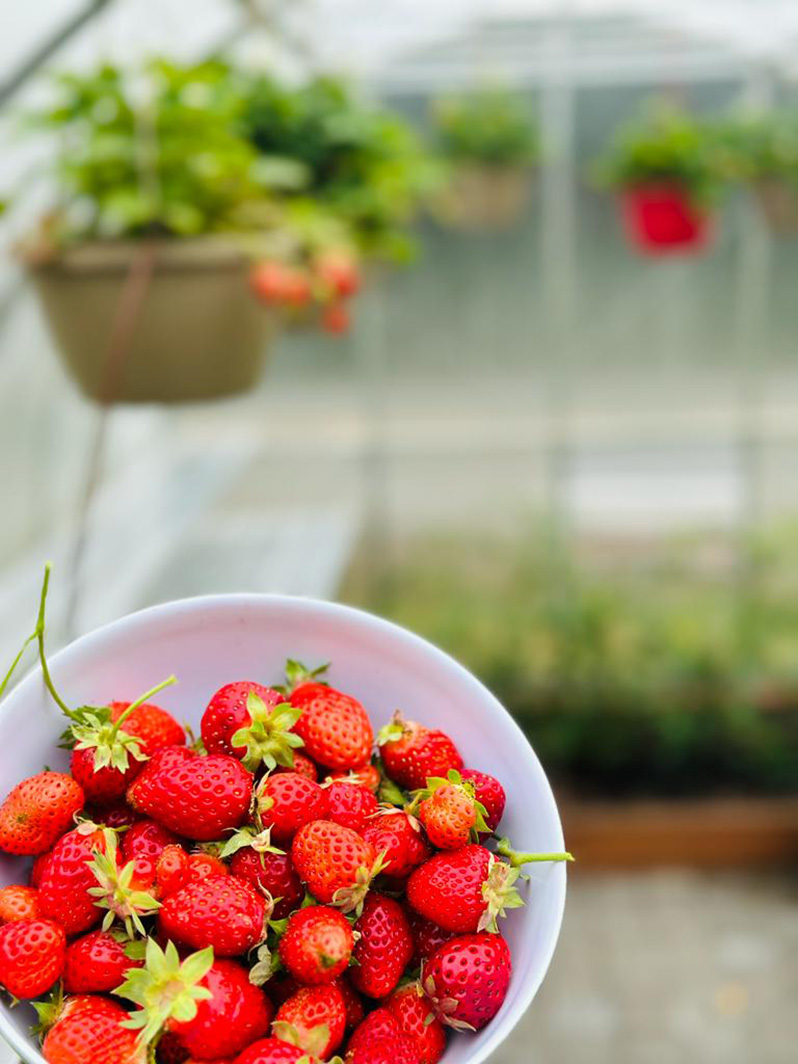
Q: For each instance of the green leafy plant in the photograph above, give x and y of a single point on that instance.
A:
(758, 146)
(365, 164)
(654, 681)
(665, 145)
(491, 127)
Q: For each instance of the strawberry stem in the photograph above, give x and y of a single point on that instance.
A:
(39, 634)
(140, 702)
(518, 859)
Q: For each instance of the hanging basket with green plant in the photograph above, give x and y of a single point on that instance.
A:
(667, 168)
(762, 153)
(489, 142)
(150, 261)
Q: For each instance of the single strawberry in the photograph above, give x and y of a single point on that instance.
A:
(335, 727)
(380, 1040)
(37, 869)
(18, 903)
(171, 871)
(384, 947)
(67, 879)
(146, 838)
(194, 796)
(416, 1018)
(336, 864)
(411, 753)
(98, 962)
(107, 753)
(271, 1051)
(253, 723)
(209, 1005)
(449, 811)
(399, 836)
(355, 1010)
(92, 1028)
(37, 812)
(489, 793)
(316, 945)
(466, 981)
(219, 911)
(303, 765)
(280, 284)
(335, 318)
(350, 805)
(427, 936)
(201, 865)
(31, 956)
(338, 272)
(270, 871)
(287, 801)
(314, 1019)
(366, 775)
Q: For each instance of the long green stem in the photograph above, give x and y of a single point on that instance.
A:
(140, 702)
(518, 859)
(39, 633)
(15, 662)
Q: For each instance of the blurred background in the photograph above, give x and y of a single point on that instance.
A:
(482, 316)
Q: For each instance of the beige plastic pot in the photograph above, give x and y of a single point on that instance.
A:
(779, 202)
(484, 197)
(193, 330)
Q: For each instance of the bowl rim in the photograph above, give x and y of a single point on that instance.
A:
(140, 619)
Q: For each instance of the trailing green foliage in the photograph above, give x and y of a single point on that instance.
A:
(492, 127)
(761, 146)
(660, 681)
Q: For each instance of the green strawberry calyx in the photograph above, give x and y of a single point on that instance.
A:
(266, 965)
(314, 1041)
(499, 894)
(48, 1010)
(444, 1008)
(296, 674)
(113, 746)
(165, 988)
(259, 841)
(268, 738)
(393, 731)
(454, 781)
(518, 859)
(114, 890)
(352, 898)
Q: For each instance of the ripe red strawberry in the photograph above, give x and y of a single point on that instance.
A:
(427, 936)
(366, 775)
(253, 723)
(417, 1019)
(316, 945)
(399, 836)
(384, 948)
(449, 812)
(273, 873)
(335, 727)
(350, 805)
(287, 801)
(90, 1028)
(336, 864)
(194, 796)
(201, 865)
(380, 1040)
(271, 1051)
(411, 753)
(303, 765)
(37, 812)
(67, 879)
(97, 963)
(153, 726)
(314, 1018)
(171, 871)
(37, 869)
(338, 272)
(18, 903)
(489, 793)
(219, 911)
(101, 785)
(335, 318)
(146, 838)
(277, 283)
(466, 981)
(31, 956)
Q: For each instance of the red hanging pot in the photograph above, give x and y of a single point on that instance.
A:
(660, 219)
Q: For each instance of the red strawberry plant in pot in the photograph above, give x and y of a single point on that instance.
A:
(666, 170)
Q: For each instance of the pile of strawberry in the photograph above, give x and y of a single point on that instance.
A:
(274, 892)
(325, 285)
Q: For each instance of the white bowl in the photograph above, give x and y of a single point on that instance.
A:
(213, 640)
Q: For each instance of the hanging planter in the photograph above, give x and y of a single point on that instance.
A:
(193, 330)
(660, 218)
(489, 143)
(762, 154)
(778, 200)
(667, 169)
